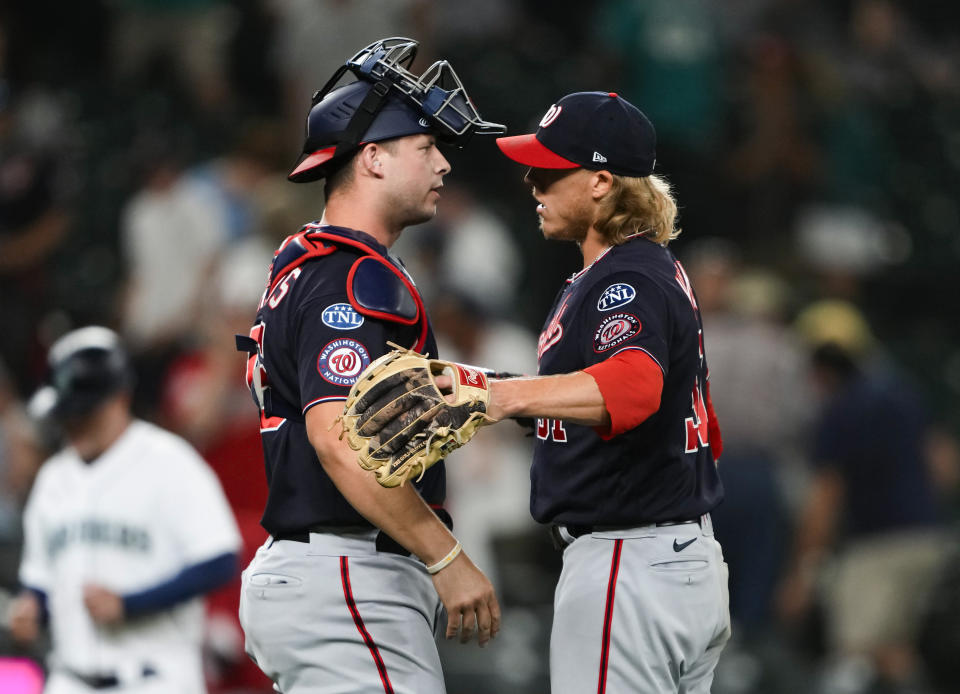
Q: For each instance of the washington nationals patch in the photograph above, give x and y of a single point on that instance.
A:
(614, 330)
(342, 360)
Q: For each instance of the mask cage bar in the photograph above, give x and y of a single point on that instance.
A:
(438, 92)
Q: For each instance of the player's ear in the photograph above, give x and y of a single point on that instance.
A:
(600, 184)
(369, 160)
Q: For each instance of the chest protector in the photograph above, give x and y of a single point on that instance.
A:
(375, 287)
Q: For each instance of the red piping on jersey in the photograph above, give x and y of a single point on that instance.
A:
(631, 383)
(367, 639)
(713, 427)
(608, 616)
(329, 398)
(313, 250)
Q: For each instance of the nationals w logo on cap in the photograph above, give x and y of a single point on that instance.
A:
(550, 115)
(593, 130)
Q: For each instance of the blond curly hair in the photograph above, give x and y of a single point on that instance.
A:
(638, 206)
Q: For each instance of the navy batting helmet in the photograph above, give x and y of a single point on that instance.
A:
(387, 101)
(87, 366)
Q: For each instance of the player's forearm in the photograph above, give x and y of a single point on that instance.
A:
(400, 512)
(572, 397)
(189, 583)
(818, 519)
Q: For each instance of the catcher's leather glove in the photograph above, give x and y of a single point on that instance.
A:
(400, 422)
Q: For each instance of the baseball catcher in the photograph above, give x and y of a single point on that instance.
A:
(399, 418)
(335, 297)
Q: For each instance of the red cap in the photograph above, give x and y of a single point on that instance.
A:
(528, 150)
(311, 161)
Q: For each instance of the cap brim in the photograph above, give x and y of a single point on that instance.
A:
(527, 150)
(311, 162)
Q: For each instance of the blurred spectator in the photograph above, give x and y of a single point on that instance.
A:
(844, 246)
(888, 130)
(34, 220)
(666, 57)
(889, 59)
(189, 37)
(669, 63)
(171, 231)
(467, 249)
(233, 179)
(758, 387)
(772, 163)
(871, 506)
(283, 209)
(20, 457)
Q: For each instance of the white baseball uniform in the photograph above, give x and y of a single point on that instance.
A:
(135, 517)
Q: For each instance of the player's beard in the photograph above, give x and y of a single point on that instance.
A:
(572, 225)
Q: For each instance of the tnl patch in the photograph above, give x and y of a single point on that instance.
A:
(342, 360)
(614, 330)
(341, 317)
(615, 296)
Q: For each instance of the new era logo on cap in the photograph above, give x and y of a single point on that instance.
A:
(580, 126)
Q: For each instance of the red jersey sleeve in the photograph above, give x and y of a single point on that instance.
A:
(713, 427)
(631, 383)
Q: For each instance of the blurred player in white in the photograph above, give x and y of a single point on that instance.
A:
(125, 529)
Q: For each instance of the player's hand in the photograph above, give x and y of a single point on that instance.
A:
(23, 618)
(105, 606)
(472, 606)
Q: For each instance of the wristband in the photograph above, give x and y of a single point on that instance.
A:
(451, 555)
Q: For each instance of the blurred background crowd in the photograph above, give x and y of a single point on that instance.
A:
(814, 147)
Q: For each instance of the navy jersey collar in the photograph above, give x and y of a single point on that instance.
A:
(577, 275)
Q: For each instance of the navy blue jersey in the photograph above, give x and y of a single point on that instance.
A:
(634, 296)
(313, 343)
(872, 432)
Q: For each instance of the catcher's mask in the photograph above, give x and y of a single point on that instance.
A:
(87, 366)
(385, 102)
